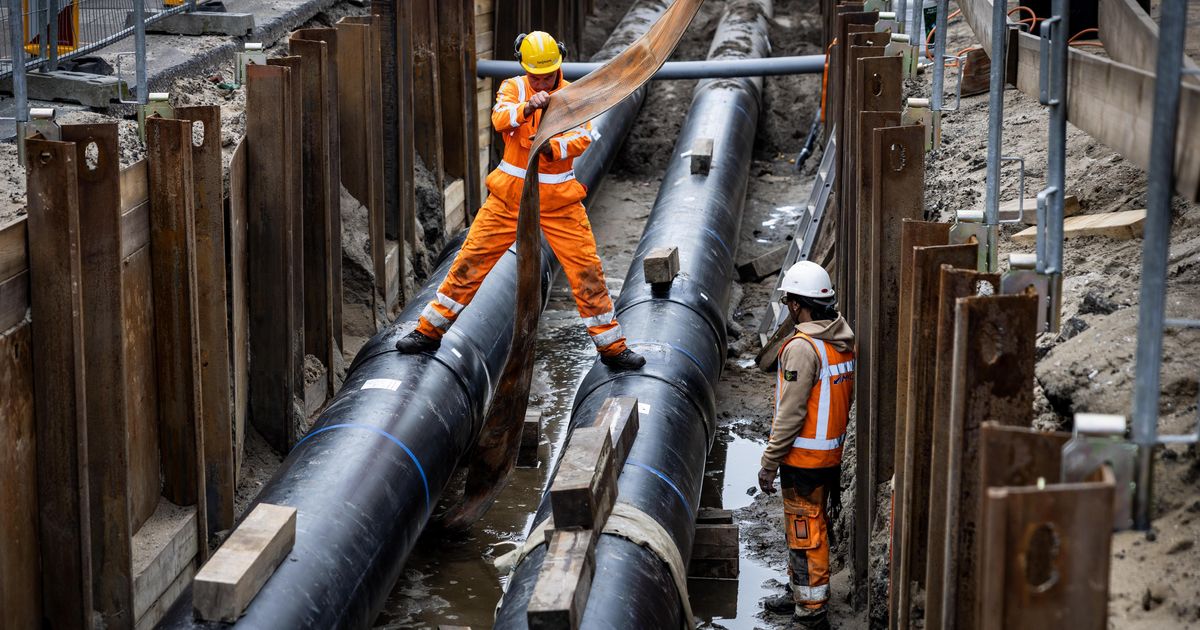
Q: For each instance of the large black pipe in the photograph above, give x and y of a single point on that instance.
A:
(682, 334)
(365, 478)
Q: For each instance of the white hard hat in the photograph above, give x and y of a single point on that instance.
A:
(808, 279)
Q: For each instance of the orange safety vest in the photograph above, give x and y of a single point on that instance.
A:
(557, 176)
(819, 444)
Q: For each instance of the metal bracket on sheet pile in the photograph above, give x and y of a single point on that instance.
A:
(41, 122)
(969, 228)
(901, 46)
(1022, 277)
(1099, 440)
(918, 110)
(252, 54)
(159, 104)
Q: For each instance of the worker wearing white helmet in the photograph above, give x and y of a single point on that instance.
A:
(812, 406)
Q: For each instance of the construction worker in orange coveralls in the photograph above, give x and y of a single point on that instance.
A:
(518, 110)
(814, 388)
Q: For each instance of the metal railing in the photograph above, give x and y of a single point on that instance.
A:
(81, 27)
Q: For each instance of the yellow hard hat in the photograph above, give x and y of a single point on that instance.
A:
(539, 53)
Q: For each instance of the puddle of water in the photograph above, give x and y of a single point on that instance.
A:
(452, 581)
(730, 480)
(734, 604)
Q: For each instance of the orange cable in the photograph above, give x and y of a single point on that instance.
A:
(1083, 32)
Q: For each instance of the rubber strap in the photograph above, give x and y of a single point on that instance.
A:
(629, 523)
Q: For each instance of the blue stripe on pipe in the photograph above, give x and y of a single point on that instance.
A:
(660, 475)
(686, 354)
(395, 440)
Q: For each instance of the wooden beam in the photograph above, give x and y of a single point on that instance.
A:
(1026, 211)
(102, 288)
(164, 548)
(700, 156)
(564, 581)
(620, 417)
(1122, 225)
(59, 386)
(531, 438)
(584, 487)
(767, 264)
(228, 582)
(216, 394)
(661, 265)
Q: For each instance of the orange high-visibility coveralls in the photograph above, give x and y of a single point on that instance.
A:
(563, 218)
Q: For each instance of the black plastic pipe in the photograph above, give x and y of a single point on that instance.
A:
(364, 480)
(681, 331)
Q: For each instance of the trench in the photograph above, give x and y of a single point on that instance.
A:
(452, 581)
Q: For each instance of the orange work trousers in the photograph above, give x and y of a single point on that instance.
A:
(494, 230)
(804, 493)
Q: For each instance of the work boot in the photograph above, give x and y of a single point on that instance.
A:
(626, 360)
(780, 604)
(415, 343)
(811, 620)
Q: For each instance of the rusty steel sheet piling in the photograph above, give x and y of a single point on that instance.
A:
(992, 356)
(896, 168)
(238, 301)
(913, 441)
(1044, 561)
(59, 387)
(360, 118)
(176, 326)
(275, 329)
(216, 392)
(321, 201)
(101, 284)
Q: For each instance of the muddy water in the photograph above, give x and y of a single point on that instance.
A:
(452, 581)
(730, 482)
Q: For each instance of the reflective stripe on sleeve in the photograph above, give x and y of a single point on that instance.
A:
(543, 178)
